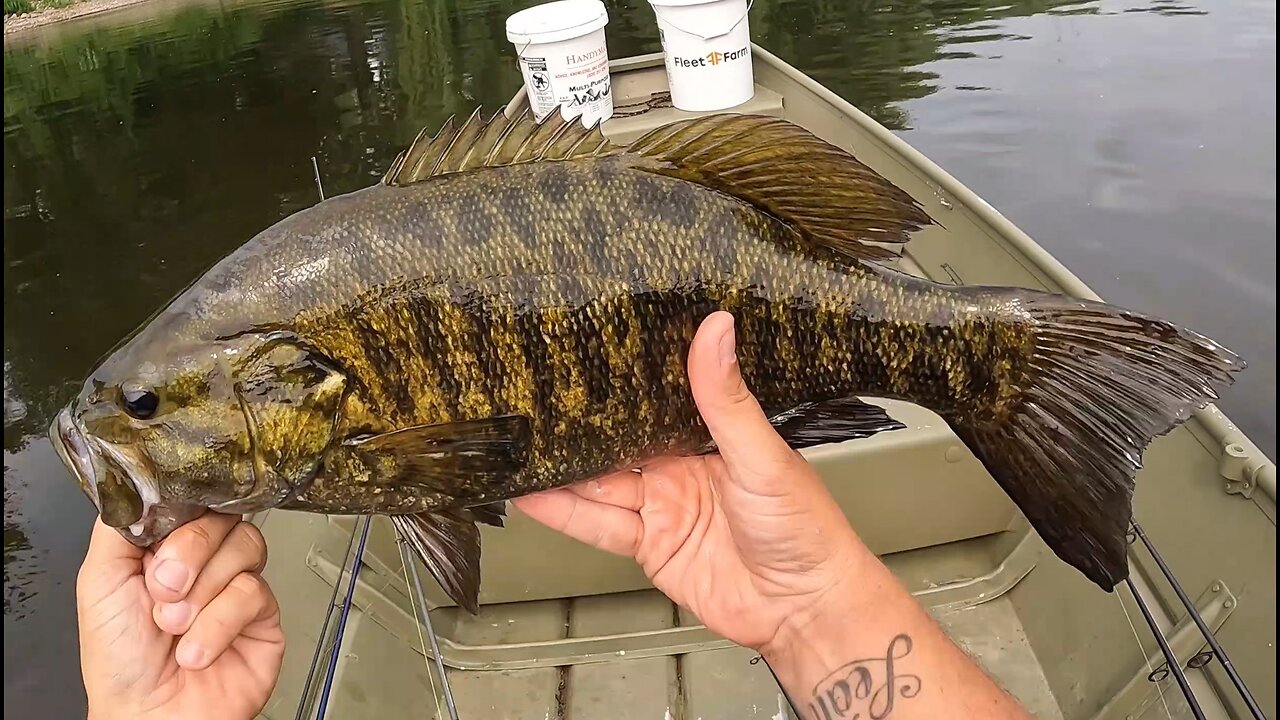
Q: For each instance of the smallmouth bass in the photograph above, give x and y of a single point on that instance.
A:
(510, 310)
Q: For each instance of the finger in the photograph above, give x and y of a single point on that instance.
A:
(244, 550)
(244, 601)
(606, 527)
(621, 489)
(109, 560)
(748, 443)
(183, 554)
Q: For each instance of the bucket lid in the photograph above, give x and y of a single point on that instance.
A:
(555, 21)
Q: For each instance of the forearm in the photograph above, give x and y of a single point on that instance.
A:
(871, 651)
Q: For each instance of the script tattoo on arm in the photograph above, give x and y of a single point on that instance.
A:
(866, 688)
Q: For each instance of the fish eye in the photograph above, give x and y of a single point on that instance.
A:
(140, 403)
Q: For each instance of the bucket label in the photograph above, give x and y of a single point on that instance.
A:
(582, 85)
(711, 59)
(541, 97)
(588, 93)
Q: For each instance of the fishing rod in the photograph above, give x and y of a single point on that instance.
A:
(342, 622)
(324, 629)
(422, 614)
(1171, 659)
(1205, 631)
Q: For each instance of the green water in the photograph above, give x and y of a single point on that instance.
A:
(1134, 139)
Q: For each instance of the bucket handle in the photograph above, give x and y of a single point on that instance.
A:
(713, 36)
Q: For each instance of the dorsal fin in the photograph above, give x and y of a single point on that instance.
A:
(829, 197)
(826, 194)
(498, 141)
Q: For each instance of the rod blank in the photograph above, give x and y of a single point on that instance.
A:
(1217, 649)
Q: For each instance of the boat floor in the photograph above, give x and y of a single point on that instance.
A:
(378, 674)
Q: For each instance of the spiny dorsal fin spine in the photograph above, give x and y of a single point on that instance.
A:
(479, 143)
(504, 132)
(537, 140)
(429, 157)
(460, 146)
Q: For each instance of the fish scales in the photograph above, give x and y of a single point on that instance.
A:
(679, 252)
(516, 315)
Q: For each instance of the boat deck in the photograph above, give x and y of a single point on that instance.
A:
(381, 673)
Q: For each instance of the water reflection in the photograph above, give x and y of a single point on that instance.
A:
(142, 146)
(19, 564)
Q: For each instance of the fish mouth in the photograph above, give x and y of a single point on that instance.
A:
(69, 442)
(93, 460)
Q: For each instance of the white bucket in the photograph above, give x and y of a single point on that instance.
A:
(563, 59)
(708, 49)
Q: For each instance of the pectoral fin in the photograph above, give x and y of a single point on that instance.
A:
(456, 459)
(449, 545)
(470, 454)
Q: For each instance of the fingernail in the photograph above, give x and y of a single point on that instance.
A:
(176, 614)
(728, 354)
(190, 655)
(173, 575)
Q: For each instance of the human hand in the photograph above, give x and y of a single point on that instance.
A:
(749, 540)
(186, 629)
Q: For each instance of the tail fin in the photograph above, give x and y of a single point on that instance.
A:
(1106, 382)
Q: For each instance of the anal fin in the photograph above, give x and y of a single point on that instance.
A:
(833, 421)
(490, 513)
(449, 545)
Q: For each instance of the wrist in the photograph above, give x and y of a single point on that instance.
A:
(832, 614)
(810, 644)
(865, 646)
(845, 623)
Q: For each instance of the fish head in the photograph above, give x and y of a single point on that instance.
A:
(162, 430)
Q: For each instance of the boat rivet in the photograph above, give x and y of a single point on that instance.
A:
(1217, 587)
(1228, 604)
(954, 454)
(1227, 486)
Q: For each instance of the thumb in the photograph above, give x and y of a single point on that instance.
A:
(107, 545)
(750, 446)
